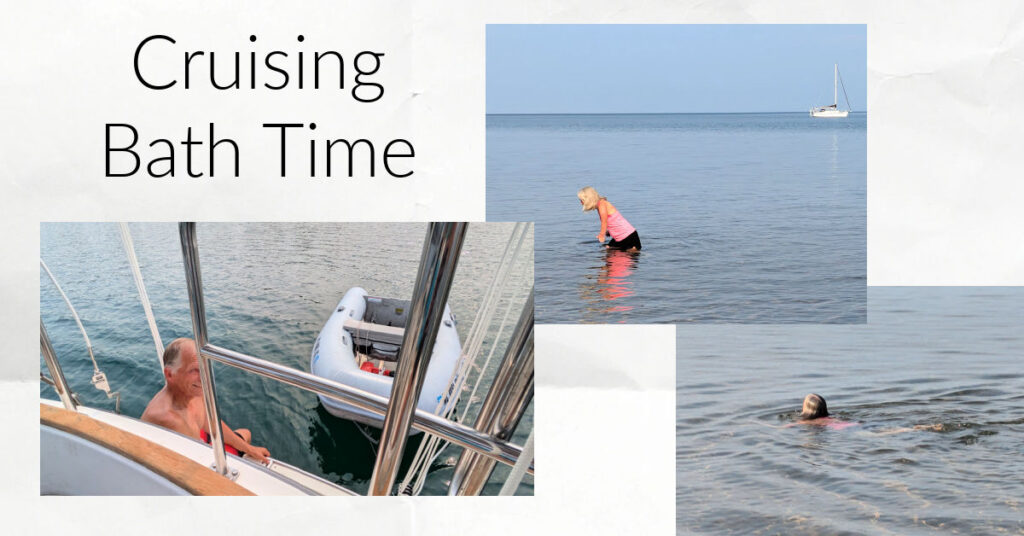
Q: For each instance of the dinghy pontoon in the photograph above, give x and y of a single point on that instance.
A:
(360, 344)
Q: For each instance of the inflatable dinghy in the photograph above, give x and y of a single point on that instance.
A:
(360, 345)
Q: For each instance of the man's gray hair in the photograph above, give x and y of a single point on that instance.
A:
(173, 351)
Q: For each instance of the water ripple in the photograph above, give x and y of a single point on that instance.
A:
(938, 405)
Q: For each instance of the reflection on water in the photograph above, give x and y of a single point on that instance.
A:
(752, 218)
(934, 383)
(609, 281)
(834, 156)
(330, 435)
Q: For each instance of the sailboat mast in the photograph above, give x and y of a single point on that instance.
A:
(835, 88)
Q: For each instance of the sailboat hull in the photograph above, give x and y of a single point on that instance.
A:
(829, 113)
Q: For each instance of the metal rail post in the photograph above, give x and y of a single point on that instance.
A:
(510, 394)
(50, 357)
(434, 277)
(458, 434)
(194, 282)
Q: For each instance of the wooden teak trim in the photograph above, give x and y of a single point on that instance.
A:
(180, 470)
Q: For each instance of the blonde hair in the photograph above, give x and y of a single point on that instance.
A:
(590, 198)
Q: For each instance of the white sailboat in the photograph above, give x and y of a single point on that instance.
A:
(833, 109)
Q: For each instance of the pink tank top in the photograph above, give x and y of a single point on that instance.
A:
(618, 227)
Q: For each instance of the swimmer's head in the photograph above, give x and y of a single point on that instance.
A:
(588, 198)
(814, 407)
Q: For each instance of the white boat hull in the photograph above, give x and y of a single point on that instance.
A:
(829, 113)
(334, 358)
(70, 464)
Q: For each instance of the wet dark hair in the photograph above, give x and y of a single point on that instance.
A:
(816, 407)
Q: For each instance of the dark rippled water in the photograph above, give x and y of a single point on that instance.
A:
(946, 360)
(753, 218)
(269, 288)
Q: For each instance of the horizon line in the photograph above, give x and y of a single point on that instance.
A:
(658, 113)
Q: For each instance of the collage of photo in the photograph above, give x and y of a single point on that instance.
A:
(694, 177)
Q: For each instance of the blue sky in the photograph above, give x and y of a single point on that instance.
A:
(585, 68)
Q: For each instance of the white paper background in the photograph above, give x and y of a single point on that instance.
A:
(944, 198)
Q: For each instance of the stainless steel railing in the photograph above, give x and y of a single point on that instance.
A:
(50, 357)
(434, 277)
(507, 399)
(437, 267)
(197, 307)
(458, 434)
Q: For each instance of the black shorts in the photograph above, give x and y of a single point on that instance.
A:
(631, 241)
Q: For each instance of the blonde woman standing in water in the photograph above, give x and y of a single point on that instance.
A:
(624, 235)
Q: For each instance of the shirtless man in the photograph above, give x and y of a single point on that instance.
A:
(179, 405)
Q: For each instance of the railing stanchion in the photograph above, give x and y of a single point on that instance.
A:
(433, 283)
(510, 394)
(194, 282)
(50, 357)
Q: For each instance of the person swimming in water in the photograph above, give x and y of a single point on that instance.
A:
(814, 407)
(624, 235)
(815, 412)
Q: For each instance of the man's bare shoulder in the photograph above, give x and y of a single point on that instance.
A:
(158, 411)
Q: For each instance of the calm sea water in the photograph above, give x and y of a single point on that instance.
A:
(754, 218)
(947, 359)
(269, 288)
